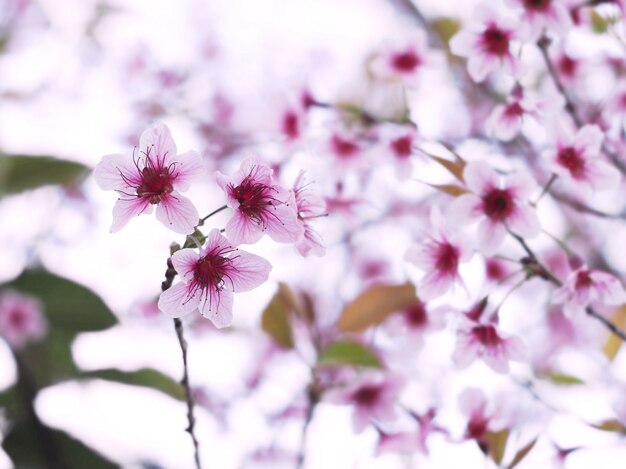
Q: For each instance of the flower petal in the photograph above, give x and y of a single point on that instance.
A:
(177, 213)
(178, 301)
(219, 308)
(189, 166)
(125, 209)
(117, 172)
(157, 141)
(240, 229)
(490, 236)
(464, 210)
(184, 262)
(247, 271)
(524, 222)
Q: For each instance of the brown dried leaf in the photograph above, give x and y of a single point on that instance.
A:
(373, 305)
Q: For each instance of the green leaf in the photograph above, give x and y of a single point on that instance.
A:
(144, 377)
(20, 172)
(446, 28)
(560, 378)
(612, 425)
(68, 305)
(348, 353)
(276, 316)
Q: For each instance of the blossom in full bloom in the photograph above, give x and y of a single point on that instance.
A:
(404, 60)
(505, 121)
(585, 286)
(439, 255)
(373, 396)
(577, 158)
(152, 177)
(415, 321)
(309, 205)
(498, 204)
(538, 15)
(487, 44)
(260, 206)
(481, 418)
(21, 319)
(482, 339)
(210, 277)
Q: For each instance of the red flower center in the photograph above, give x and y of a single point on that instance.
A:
(415, 315)
(498, 204)
(537, 5)
(155, 183)
(567, 66)
(402, 146)
(343, 147)
(447, 258)
(476, 428)
(571, 160)
(514, 110)
(583, 280)
(495, 41)
(17, 319)
(486, 335)
(210, 269)
(255, 199)
(290, 125)
(406, 61)
(367, 395)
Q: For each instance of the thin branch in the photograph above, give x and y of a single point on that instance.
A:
(170, 274)
(313, 398)
(214, 212)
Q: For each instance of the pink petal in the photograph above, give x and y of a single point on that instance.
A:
(462, 43)
(242, 230)
(495, 357)
(178, 213)
(490, 236)
(249, 271)
(610, 288)
(177, 301)
(589, 140)
(466, 350)
(215, 241)
(602, 176)
(422, 256)
(465, 209)
(522, 184)
(434, 284)
(479, 65)
(184, 262)
(158, 139)
(125, 209)
(524, 222)
(219, 308)
(255, 168)
(283, 225)
(480, 177)
(117, 172)
(189, 166)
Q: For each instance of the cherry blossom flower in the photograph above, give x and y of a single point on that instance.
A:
(260, 206)
(21, 319)
(210, 277)
(309, 206)
(153, 177)
(498, 204)
(482, 339)
(404, 60)
(585, 286)
(538, 15)
(480, 415)
(373, 396)
(505, 121)
(410, 441)
(487, 44)
(577, 158)
(416, 321)
(440, 256)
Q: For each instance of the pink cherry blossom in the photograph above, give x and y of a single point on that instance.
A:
(505, 121)
(498, 204)
(487, 44)
(309, 206)
(577, 158)
(153, 177)
(404, 60)
(538, 15)
(373, 396)
(585, 286)
(260, 206)
(482, 339)
(475, 407)
(415, 321)
(21, 319)
(439, 255)
(210, 277)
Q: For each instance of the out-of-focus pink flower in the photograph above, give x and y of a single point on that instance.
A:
(487, 44)
(568, 68)
(482, 339)
(475, 407)
(538, 15)
(497, 203)
(409, 441)
(577, 158)
(309, 206)
(346, 149)
(403, 61)
(439, 255)
(21, 319)
(586, 286)
(373, 396)
(260, 206)
(416, 320)
(154, 177)
(505, 121)
(210, 277)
